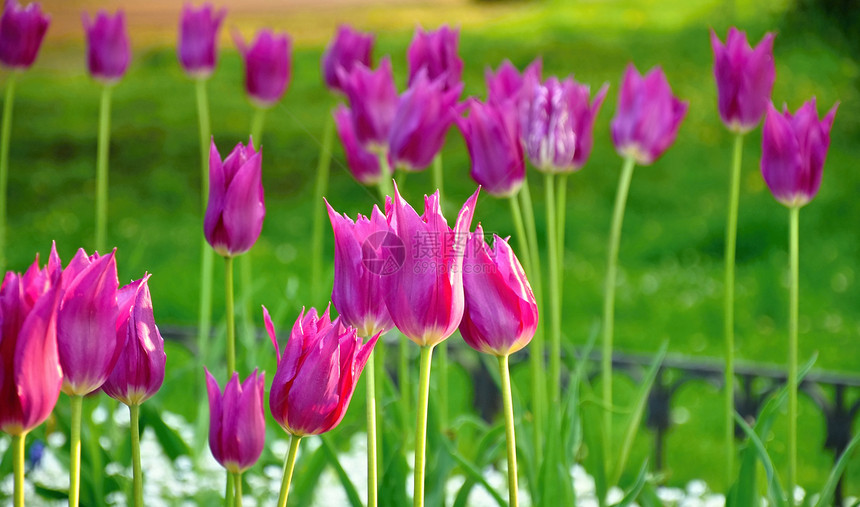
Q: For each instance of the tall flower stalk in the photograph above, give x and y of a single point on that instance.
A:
(5, 136)
(102, 168)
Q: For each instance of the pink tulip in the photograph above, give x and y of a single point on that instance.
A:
(506, 83)
(22, 30)
(108, 48)
(492, 135)
(425, 295)
(317, 373)
(347, 48)
(744, 78)
(237, 421)
(373, 101)
(436, 51)
(267, 66)
(198, 39)
(362, 164)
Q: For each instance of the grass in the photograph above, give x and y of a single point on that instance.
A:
(671, 247)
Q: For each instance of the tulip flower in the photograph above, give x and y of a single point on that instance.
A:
(436, 51)
(316, 378)
(424, 113)
(347, 48)
(198, 39)
(237, 424)
(21, 32)
(506, 83)
(373, 101)
(362, 164)
(794, 147)
(744, 78)
(492, 136)
(267, 66)
(108, 48)
(648, 116)
(234, 217)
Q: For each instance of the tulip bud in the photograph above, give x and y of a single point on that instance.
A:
(237, 421)
(648, 116)
(744, 79)
(373, 101)
(362, 164)
(492, 136)
(436, 51)
(21, 32)
(234, 215)
(267, 66)
(198, 39)
(793, 149)
(347, 48)
(108, 48)
(506, 83)
(317, 373)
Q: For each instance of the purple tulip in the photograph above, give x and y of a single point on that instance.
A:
(30, 373)
(21, 32)
(347, 48)
(425, 295)
(237, 421)
(793, 149)
(744, 79)
(317, 372)
(493, 137)
(436, 51)
(234, 216)
(88, 342)
(198, 39)
(373, 101)
(108, 49)
(501, 314)
(363, 165)
(424, 114)
(507, 82)
(359, 249)
(647, 117)
(139, 371)
(267, 66)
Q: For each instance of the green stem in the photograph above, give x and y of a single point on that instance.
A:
(257, 126)
(522, 239)
(370, 380)
(102, 170)
(18, 465)
(438, 176)
(386, 189)
(5, 137)
(289, 465)
(609, 298)
(794, 256)
(205, 131)
(75, 451)
(505, 373)
(228, 492)
(421, 425)
(231, 325)
(729, 307)
(134, 410)
(319, 209)
(237, 486)
(555, 307)
(555, 345)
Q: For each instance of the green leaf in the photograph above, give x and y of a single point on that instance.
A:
(773, 485)
(473, 475)
(348, 486)
(637, 487)
(824, 498)
(170, 441)
(488, 447)
(312, 466)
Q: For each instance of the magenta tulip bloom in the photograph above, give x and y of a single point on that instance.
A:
(237, 421)
(492, 135)
(506, 83)
(425, 296)
(267, 66)
(363, 165)
(648, 116)
(139, 371)
(793, 149)
(373, 101)
(108, 48)
(317, 373)
(21, 32)
(87, 340)
(234, 216)
(436, 51)
(744, 79)
(347, 48)
(359, 257)
(500, 314)
(198, 39)
(30, 373)
(424, 113)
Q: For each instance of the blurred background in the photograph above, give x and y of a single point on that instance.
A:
(671, 257)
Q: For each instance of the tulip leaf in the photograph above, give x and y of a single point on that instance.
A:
(348, 486)
(50, 493)
(488, 448)
(774, 487)
(170, 441)
(636, 488)
(312, 466)
(594, 460)
(439, 461)
(826, 496)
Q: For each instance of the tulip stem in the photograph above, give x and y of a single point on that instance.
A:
(729, 306)
(609, 299)
(228, 492)
(554, 301)
(522, 239)
(536, 354)
(18, 456)
(370, 380)
(505, 373)
(257, 123)
(137, 474)
(794, 256)
(102, 169)
(421, 425)
(555, 344)
(289, 465)
(386, 189)
(438, 176)
(76, 402)
(237, 485)
(4, 163)
(231, 325)
(320, 210)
